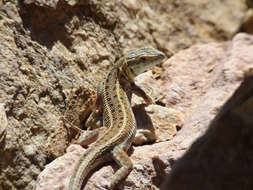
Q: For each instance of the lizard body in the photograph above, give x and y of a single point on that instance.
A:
(114, 97)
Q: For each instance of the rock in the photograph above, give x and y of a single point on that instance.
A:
(165, 121)
(50, 3)
(178, 25)
(57, 174)
(3, 123)
(156, 124)
(221, 157)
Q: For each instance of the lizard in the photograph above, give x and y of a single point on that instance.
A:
(119, 124)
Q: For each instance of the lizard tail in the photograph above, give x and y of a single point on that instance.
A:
(89, 161)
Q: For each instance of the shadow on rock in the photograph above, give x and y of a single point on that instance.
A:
(223, 157)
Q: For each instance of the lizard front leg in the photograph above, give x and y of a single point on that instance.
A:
(139, 92)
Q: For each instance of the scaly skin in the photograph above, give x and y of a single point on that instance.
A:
(114, 97)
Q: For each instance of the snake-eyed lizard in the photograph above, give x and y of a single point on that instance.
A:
(119, 125)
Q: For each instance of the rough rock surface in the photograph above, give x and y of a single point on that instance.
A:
(49, 48)
(222, 157)
(213, 148)
(3, 123)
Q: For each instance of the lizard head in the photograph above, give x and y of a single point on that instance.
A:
(141, 60)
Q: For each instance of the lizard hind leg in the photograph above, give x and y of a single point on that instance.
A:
(86, 137)
(125, 163)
